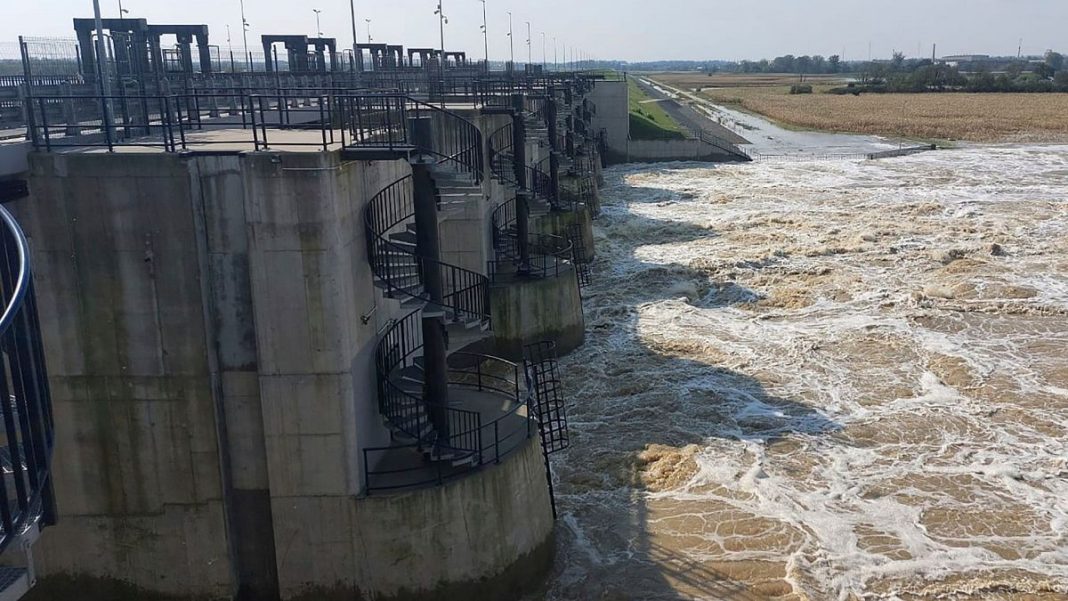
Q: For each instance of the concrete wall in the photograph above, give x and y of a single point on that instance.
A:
(213, 378)
(652, 151)
(13, 158)
(560, 223)
(613, 113)
(484, 537)
(137, 468)
(532, 310)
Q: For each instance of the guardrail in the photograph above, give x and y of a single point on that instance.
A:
(382, 121)
(26, 438)
(179, 122)
(848, 156)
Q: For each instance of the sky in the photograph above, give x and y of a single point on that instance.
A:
(631, 30)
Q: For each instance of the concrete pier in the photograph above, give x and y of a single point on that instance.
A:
(210, 325)
(528, 310)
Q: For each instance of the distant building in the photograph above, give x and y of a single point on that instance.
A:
(957, 59)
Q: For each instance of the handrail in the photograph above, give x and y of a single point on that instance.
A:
(548, 254)
(26, 439)
(501, 149)
(382, 121)
(724, 145)
(465, 293)
(14, 300)
(467, 434)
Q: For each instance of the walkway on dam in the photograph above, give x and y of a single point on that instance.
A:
(766, 140)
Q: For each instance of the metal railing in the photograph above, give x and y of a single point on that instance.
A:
(501, 146)
(458, 438)
(180, 122)
(402, 270)
(383, 121)
(27, 438)
(405, 409)
(724, 145)
(548, 255)
(465, 434)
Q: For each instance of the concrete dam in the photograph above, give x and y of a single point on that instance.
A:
(300, 314)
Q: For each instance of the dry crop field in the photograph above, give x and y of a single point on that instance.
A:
(968, 117)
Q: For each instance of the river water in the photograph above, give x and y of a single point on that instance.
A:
(823, 380)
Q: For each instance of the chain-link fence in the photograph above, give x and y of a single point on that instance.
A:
(52, 57)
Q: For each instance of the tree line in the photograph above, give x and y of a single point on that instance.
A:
(985, 75)
(899, 74)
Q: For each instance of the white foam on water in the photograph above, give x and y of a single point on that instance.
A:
(879, 394)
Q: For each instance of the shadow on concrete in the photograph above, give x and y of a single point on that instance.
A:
(627, 393)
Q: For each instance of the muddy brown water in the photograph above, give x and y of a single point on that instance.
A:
(825, 381)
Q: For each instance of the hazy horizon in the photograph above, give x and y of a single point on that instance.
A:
(625, 30)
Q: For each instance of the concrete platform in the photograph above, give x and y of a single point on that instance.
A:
(404, 467)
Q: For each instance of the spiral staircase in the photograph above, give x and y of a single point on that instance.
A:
(541, 121)
(442, 425)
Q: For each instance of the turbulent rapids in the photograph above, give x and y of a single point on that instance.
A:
(825, 381)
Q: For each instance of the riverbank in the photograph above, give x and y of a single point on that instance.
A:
(986, 118)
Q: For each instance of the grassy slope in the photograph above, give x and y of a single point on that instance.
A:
(648, 121)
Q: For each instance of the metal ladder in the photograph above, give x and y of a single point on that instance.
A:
(548, 406)
(582, 264)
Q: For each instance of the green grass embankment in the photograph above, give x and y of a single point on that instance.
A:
(648, 120)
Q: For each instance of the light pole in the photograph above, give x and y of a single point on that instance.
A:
(528, 44)
(442, 20)
(230, 49)
(511, 40)
(318, 27)
(244, 33)
(543, 54)
(355, 40)
(485, 32)
(122, 11)
(556, 55)
(101, 65)
(369, 38)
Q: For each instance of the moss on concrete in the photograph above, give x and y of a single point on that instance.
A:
(81, 587)
(526, 311)
(525, 575)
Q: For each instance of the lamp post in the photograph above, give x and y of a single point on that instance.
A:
(442, 20)
(528, 44)
(511, 40)
(355, 40)
(244, 34)
(556, 55)
(543, 54)
(122, 11)
(369, 38)
(318, 26)
(485, 32)
(101, 65)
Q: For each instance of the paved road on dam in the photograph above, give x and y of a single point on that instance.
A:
(768, 140)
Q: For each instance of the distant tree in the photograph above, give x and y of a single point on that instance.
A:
(784, 64)
(1055, 60)
(819, 64)
(982, 81)
(897, 63)
(1044, 70)
(1061, 80)
(834, 64)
